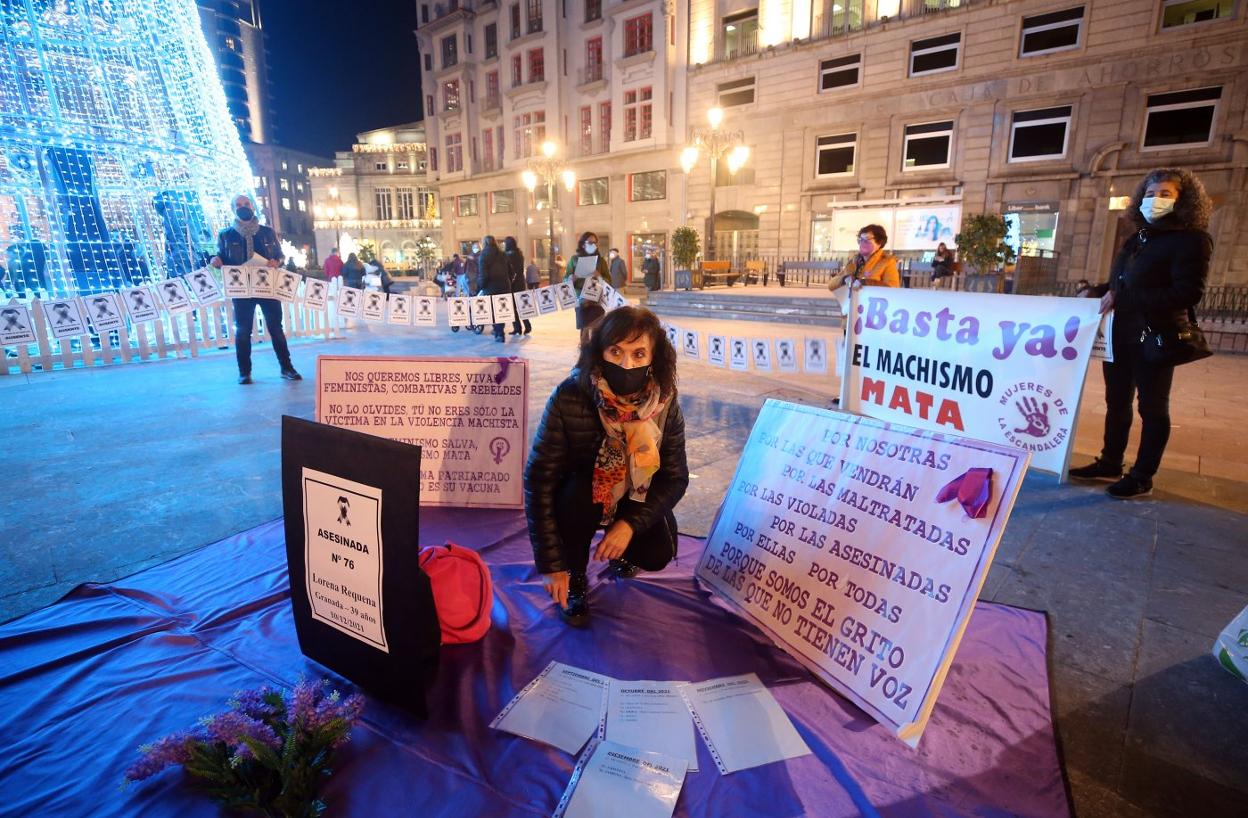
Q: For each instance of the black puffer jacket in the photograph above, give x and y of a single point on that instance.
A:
(492, 275)
(1157, 274)
(515, 270)
(567, 442)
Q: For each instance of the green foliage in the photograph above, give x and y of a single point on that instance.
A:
(427, 251)
(981, 243)
(367, 253)
(685, 247)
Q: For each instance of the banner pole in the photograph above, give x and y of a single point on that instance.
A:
(850, 339)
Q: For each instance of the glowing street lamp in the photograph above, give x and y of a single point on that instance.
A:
(335, 213)
(547, 170)
(719, 144)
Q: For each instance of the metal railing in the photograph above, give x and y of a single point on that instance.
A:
(590, 73)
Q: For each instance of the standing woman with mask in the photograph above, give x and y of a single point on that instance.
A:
(1157, 277)
(609, 453)
(873, 266)
(586, 248)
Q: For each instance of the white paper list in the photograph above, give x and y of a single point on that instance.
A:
(742, 723)
(652, 715)
(562, 707)
(622, 782)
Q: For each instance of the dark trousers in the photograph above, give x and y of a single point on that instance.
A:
(244, 319)
(1128, 376)
(578, 519)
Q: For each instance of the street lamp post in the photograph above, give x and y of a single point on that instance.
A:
(335, 213)
(719, 143)
(546, 170)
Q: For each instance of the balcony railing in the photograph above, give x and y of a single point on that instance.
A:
(594, 72)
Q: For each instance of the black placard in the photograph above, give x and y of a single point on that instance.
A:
(405, 609)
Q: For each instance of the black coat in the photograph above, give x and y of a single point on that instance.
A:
(567, 442)
(1157, 275)
(515, 271)
(492, 277)
(232, 245)
(353, 274)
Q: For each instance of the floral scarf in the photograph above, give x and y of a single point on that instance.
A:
(629, 455)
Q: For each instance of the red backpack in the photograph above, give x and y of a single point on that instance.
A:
(463, 592)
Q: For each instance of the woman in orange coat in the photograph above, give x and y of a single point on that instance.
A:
(873, 266)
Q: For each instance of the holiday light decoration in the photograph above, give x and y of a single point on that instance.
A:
(118, 158)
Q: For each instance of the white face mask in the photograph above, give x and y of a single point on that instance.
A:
(1153, 208)
(591, 248)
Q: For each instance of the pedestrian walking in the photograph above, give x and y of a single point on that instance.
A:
(493, 277)
(651, 272)
(516, 277)
(619, 270)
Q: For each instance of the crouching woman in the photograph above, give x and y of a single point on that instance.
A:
(609, 453)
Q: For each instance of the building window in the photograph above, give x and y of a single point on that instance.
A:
(466, 205)
(450, 52)
(724, 176)
(285, 203)
(517, 71)
(537, 65)
(834, 17)
(450, 95)
(428, 63)
(407, 203)
(530, 132)
(593, 10)
(1181, 119)
(638, 35)
(284, 165)
(1040, 134)
(593, 60)
(284, 184)
(487, 149)
(842, 72)
(541, 198)
(587, 130)
(638, 114)
(1175, 13)
(299, 167)
(299, 186)
(1056, 31)
(740, 34)
(647, 187)
(384, 204)
(303, 206)
(593, 191)
(381, 166)
(491, 41)
(399, 165)
(604, 126)
(515, 20)
(535, 15)
(454, 152)
(737, 92)
(927, 145)
(834, 155)
(935, 54)
(502, 154)
(503, 201)
(433, 159)
(492, 97)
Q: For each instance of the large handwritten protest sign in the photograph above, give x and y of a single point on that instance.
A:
(860, 547)
(468, 415)
(1003, 368)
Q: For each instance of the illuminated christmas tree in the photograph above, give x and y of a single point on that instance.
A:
(118, 158)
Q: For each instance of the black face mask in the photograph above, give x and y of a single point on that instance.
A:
(625, 381)
(245, 214)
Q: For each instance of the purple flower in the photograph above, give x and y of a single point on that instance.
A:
(170, 750)
(231, 727)
(303, 702)
(258, 703)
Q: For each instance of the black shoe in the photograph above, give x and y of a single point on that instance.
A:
(1130, 487)
(500, 339)
(622, 569)
(243, 380)
(290, 374)
(1097, 470)
(577, 612)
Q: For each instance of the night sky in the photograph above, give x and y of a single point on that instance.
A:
(340, 67)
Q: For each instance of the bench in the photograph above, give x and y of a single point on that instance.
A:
(717, 272)
(756, 272)
(816, 272)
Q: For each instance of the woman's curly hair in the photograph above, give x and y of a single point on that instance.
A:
(1193, 207)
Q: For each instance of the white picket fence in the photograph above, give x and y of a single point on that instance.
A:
(206, 328)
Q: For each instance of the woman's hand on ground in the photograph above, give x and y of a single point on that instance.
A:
(557, 587)
(1107, 302)
(615, 542)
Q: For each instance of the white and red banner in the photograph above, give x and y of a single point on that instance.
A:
(1006, 369)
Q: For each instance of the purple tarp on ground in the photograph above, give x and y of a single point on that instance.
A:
(86, 681)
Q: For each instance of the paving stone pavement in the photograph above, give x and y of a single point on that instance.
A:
(112, 470)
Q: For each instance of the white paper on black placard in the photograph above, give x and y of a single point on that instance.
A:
(562, 707)
(526, 304)
(15, 325)
(653, 715)
(591, 292)
(140, 303)
(261, 281)
(287, 285)
(173, 295)
(760, 352)
(237, 282)
(399, 310)
(482, 311)
(691, 343)
(614, 780)
(457, 311)
(565, 295)
(742, 723)
(425, 311)
(716, 349)
(350, 300)
(64, 317)
(315, 294)
(547, 302)
(815, 359)
(504, 308)
(786, 354)
(374, 306)
(739, 354)
(104, 312)
(202, 284)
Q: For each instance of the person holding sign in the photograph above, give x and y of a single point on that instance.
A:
(516, 273)
(237, 245)
(1156, 280)
(493, 277)
(586, 263)
(873, 266)
(609, 453)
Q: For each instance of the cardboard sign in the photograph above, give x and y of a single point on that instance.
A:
(468, 415)
(15, 324)
(287, 285)
(760, 349)
(173, 294)
(860, 547)
(786, 354)
(237, 282)
(349, 301)
(140, 303)
(362, 606)
(457, 312)
(426, 311)
(64, 317)
(591, 290)
(526, 304)
(374, 308)
(565, 295)
(261, 281)
(482, 313)
(316, 294)
(202, 284)
(399, 310)
(716, 349)
(546, 300)
(104, 312)
(815, 359)
(738, 355)
(504, 307)
(691, 339)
